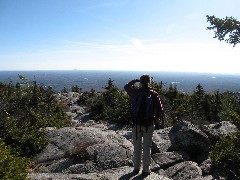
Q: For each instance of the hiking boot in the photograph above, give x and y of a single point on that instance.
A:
(145, 174)
(135, 171)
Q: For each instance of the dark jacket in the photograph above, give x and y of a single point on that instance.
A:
(132, 92)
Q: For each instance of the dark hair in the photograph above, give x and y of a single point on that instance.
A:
(144, 79)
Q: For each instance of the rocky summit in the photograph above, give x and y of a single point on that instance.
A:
(90, 150)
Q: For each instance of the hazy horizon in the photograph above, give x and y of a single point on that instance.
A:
(107, 70)
(185, 81)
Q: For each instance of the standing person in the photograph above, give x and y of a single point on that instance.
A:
(142, 132)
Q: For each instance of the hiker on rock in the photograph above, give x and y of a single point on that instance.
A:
(146, 111)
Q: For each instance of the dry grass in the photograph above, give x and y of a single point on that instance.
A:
(80, 149)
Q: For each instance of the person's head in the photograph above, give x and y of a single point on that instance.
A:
(145, 80)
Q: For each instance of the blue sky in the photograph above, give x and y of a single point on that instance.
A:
(151, 35)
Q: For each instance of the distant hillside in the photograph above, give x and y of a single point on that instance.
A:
(87, 80)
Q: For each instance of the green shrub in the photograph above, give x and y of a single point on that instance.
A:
(27, 140)
(12, 167)
(24, 111)
(226, 155)
(120, 111)
(112, 105)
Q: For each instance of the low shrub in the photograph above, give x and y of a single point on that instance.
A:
(25, 109)
(11, 166)
(226, 155)
(112, 105)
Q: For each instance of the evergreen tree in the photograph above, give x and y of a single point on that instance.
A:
(112, 105)
(64, 90)
(76, 88)
(177, 104)
(217, 106)
(198, 103)
(171, 96)
(227, 29)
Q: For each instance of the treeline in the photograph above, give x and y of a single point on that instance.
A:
(199, 108)
(27, 108)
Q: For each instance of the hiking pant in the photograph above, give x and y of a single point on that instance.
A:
(142, 140)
